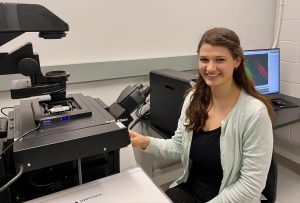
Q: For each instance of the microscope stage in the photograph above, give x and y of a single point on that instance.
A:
(89, 130)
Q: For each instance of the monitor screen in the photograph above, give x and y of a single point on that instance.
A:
(263, 67)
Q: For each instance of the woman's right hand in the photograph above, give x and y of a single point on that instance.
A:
(138, 140)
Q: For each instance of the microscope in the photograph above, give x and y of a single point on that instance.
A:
(50, 144)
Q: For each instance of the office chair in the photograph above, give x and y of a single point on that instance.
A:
(270, 190)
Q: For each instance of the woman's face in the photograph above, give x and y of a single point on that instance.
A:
(216, 65)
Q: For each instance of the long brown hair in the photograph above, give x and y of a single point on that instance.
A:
(197, 111)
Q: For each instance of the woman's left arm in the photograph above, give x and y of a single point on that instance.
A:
(257, 149)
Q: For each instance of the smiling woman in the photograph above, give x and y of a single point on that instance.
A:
(216, 65)
(223, 129)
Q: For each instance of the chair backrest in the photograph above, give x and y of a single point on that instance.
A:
(270, 190)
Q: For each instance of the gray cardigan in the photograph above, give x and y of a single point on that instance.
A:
(246, 146)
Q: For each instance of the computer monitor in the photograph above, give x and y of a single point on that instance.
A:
(263, 67)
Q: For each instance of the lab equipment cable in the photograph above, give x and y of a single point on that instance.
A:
(13, 179)
(141, 115)
(139, 110)
(3, 108)
(33, 180)
(26, 133)
(20, 167)
(145, 114)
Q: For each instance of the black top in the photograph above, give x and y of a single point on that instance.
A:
(206, 172)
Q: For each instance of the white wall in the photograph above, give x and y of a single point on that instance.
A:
(287, 139)
(114, 30)
(289, 43)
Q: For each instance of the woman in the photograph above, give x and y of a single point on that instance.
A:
(224, 135)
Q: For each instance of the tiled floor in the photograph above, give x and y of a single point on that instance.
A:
(288, 184)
